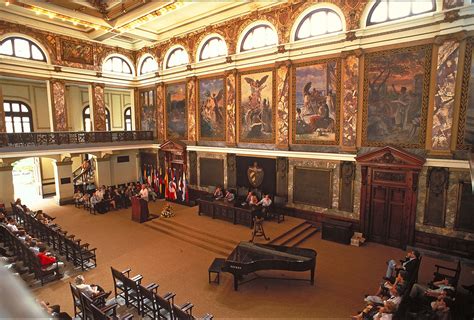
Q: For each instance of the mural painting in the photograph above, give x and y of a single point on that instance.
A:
(176, 117)
(212, 116)
(396, 87)
(316, 106)
(77, 52)
(256, 110)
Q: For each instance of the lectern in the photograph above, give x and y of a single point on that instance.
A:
(139, 210)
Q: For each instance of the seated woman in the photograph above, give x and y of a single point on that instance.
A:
(78, 197)
(90, 290)
(48, 261)
(229, 196)
(218, 193)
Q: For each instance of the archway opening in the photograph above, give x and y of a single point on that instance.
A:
(27, 180)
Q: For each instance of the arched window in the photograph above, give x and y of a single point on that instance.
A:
(148, 65)
(214, 47)
(21, 48)
(86, 119)
(177, 57)
(258, 37)
(127, 115)
(107, 120)
(388, 10)
(18, 117)
(117, 65)
(318, 22)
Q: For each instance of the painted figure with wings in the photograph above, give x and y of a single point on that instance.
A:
(312, 98)
(256, 87)
(211, 112)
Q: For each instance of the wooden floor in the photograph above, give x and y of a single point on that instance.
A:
(176, 253)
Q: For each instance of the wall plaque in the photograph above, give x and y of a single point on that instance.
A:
(211, 172)
(312, 186)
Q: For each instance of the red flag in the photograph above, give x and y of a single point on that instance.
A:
(166, 185)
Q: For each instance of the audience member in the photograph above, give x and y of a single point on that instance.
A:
(218, 193)
(90, 290)
(409, 264)
(229, 196)
(48, 261)
(419, 291)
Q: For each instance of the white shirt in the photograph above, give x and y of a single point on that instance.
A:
(144, 194)
(87, 289)
(12, 227)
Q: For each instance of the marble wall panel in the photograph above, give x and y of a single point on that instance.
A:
(160, 107)
(58, 101)
(191, 92)
(283, 93)
(334, 165)
(446, 71)
(350, 83)
(200, 155)
(451, 206)
(230, 108)
(98, 106)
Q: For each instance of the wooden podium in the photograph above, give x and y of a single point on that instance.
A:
(139, 210)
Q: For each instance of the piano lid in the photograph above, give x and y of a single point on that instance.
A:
(247, 252)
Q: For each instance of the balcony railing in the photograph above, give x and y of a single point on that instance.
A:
(60, 138)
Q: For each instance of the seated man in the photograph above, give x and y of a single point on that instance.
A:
(395, 297)
(90, 290)
(420, 291)
(229, 196)
(218, 193)
(253, 199)
(409, 265)
(47, 261)
(97, 204)
(78, 196)
(12, 226)
(400, 280)
(266, 202)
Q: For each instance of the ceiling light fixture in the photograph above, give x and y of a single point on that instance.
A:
(7, 3)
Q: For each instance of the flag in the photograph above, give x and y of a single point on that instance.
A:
(185, 188)
(160, 182)
(166, 185)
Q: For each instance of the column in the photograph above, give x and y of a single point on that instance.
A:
(282, 177)
(444, 96)
(230, 108)
(97, 103)
(3, 138)
(160, 112)
(57, 105)
(102, 172)
(282, 104)
(63, 181)
(191, 85)
(6, 183)
(350, 92)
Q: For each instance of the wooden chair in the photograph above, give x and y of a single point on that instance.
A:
(185, 313)
(122, 286)
(77, 302)
(45, 273)
(132, 291)
(110, 312)
(166, 302)
(451, 274)
(150, 303)
(98, 314)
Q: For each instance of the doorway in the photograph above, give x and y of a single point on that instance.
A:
(389, 195)
(27, 180)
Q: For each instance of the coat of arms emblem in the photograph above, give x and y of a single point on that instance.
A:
(255, 175)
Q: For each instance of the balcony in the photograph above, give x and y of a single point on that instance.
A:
(52, 142)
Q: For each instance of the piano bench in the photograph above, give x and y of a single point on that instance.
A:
(216, 267)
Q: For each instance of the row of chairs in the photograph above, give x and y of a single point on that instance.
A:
(28, 258)
(146, 299)
(87, 308)
(80, 254)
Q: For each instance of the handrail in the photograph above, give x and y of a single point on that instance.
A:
(67, 137)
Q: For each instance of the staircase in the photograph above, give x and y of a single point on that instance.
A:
(83, 177)
(296, 235)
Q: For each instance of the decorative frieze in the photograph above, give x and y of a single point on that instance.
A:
(160, 111)
(350, 94)
(282, 114)
(191, 92)
(230, 108)
(57, 99)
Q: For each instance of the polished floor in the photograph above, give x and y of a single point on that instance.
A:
(176, 253)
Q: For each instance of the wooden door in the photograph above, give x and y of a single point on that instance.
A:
(387, 215)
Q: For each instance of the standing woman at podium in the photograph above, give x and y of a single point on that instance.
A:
(144, 193)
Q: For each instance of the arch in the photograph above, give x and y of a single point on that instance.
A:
(206, 42)
(124, 59)
(127, 119)
(107, 120)
(176, 52)
(328, 7)
(18, 116)
(246, 32)
(35, 47)
(407, 12)
(86, 119)
(143, 60)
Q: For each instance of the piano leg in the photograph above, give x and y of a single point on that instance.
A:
(312, 275)
(236, 282)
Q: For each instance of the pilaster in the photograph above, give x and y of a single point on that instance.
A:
(6, 183)
(97, 97)
(57, 104)
(102, 172)
(63, 181)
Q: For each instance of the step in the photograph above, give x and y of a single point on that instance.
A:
(206, 243)
(288, 233)
(296, 235)
(303, 239)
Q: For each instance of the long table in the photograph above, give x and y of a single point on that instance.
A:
(225, 210)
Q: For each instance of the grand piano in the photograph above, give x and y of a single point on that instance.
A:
(249, 257)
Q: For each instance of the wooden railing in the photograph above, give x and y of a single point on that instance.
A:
(60, 138)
